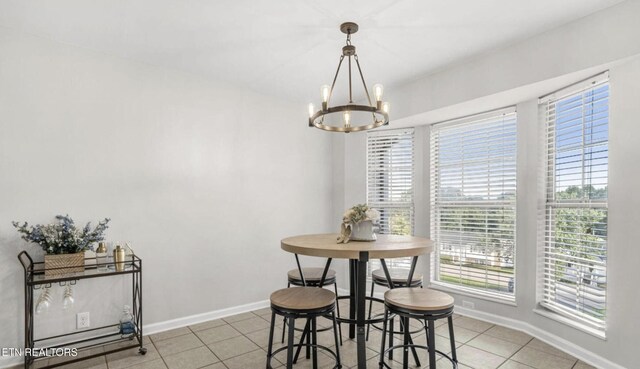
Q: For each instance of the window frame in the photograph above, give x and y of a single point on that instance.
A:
(485, 294)
(550, 202)
(375, 138)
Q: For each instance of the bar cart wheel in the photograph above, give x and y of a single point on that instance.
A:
(143, 351)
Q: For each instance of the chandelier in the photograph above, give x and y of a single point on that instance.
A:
(368, 116)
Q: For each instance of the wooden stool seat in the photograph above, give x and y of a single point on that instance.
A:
(302, 298)
(419, 299)
(396, 276)
(311, 274)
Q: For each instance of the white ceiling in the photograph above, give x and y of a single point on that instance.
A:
(288, 48)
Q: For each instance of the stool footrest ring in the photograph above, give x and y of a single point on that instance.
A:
(395, 347)
(353, 321)
(317, 330)
(295, 345)
(395, 332)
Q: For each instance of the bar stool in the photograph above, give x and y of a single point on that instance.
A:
(398, 279)
(303, 303)
(422, 304)
(312, 278)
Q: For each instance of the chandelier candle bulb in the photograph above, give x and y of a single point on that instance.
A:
(324, 92)
(312, 110)
(378, 89)
(347, 118)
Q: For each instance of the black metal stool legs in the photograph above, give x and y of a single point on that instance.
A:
(271, 329)
(309, 335)
(452, 339)
(426, 331)
(402, 331)
(284, 320)
(335, 338)
(335, 287)
(405, 328)
(305, 335)
(391, 330)
(370, 308)
(309, 339)
(314, 343)
(292, 323)
(431, 337)
(384, 330)
(407, 342)
(407, 336)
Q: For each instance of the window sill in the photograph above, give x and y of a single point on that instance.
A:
(471, 293)
(570, 322)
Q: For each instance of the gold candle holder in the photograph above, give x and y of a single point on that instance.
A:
(119, 255)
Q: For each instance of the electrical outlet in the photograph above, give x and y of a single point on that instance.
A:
(468, 304)
(82, 320)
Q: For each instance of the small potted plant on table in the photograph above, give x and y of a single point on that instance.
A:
(358, 224)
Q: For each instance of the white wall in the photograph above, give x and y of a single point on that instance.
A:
(203, 178)
(603, 37)
(518, 74)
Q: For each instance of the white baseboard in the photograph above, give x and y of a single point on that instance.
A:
(200, 318)
(8, 362)
(560, 343)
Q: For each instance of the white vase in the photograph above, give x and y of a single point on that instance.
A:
(363, 231)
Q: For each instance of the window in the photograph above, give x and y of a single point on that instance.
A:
(575, 217)
(390, 168)
(473, 203)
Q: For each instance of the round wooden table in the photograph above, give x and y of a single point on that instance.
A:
(358, 253)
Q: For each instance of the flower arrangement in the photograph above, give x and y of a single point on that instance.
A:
(358, 224)
(359, 213)
(63, 237)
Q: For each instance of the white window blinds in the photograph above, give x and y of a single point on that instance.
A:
(473, 203)
(575, 232)
(390, 171)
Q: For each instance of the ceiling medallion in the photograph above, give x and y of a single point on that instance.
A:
(379, 113)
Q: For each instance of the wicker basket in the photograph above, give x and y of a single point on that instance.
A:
(63, 264)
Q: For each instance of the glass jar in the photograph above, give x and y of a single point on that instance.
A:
(127, 326)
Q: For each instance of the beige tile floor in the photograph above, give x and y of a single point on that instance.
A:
(240, 342)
